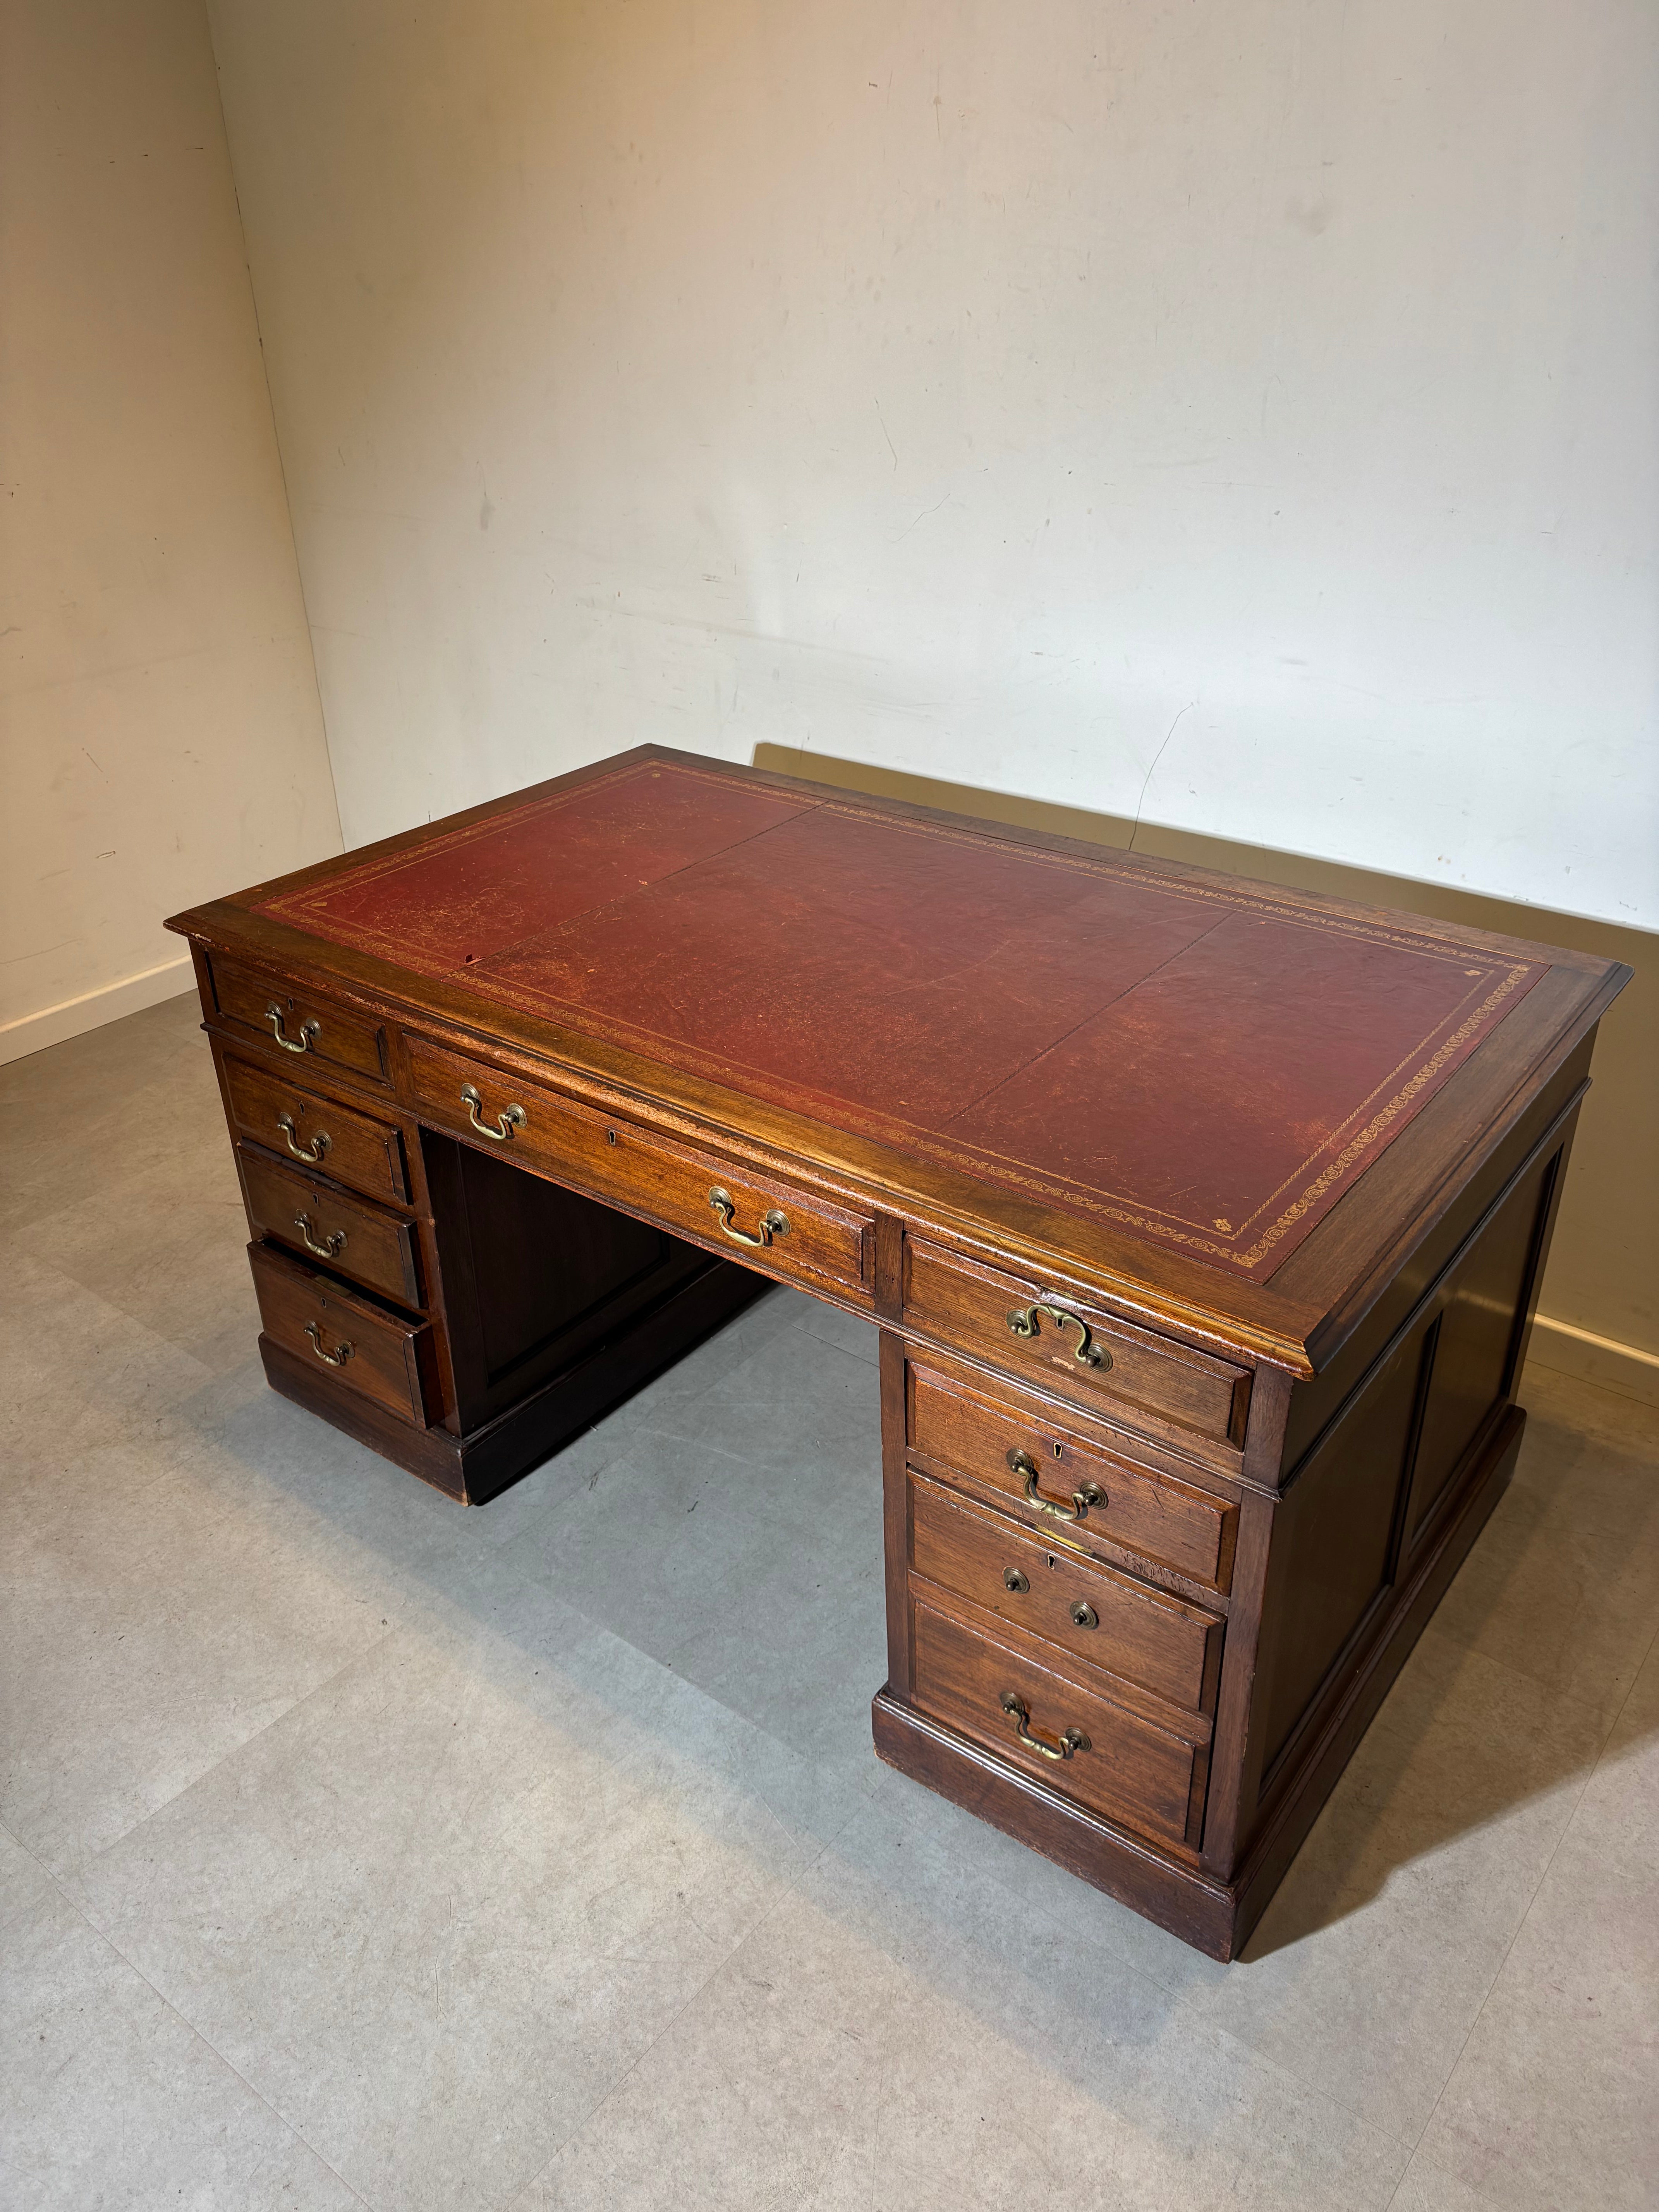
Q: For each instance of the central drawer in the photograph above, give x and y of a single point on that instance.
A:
(771, 1222)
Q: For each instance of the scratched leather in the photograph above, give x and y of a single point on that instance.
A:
(1195, 1062)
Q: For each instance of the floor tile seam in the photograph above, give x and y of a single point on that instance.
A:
(1437, 1633)
(520, 2189)
(103, 1937)
(1286, 2073)
(785, 1895)
(235, 1751)
(1496, 1975)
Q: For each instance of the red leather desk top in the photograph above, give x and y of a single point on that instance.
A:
(1196, 1062)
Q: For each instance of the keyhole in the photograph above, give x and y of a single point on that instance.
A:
(610, 1136)
(1057, 1451)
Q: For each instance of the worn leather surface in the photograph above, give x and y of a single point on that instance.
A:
(1197, 1062)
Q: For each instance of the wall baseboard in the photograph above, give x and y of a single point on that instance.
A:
(1590, 1359)
(71, 1017)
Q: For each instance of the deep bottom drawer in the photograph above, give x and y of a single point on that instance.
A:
(362, 1348)
(1117, 1762)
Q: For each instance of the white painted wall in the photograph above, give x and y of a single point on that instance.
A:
(1240, 410)
(160, 736)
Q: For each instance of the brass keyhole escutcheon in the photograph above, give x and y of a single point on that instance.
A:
(1014, 1579)
(1084, 1614)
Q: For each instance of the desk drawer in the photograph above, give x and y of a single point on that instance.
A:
(777, 1225)
(349, 1146)
(360, 1348)
(292, 1019)
(1095, 1613)
(1043, 1462)
(354, 1238)
(1002, 1692)
(1067, 1344)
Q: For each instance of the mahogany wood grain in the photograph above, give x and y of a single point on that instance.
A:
(1295, 1442)
(271, 1108)
(822, 1243)
(311, 1027)
(1103, 1362)
(1096, 1615)
(366, 1244)
(364, 1348)
(956, 1425)
(1127, 1766)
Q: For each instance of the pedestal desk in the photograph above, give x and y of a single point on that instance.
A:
(1202, 1222)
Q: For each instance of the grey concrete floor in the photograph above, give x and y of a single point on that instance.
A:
(360, 1850)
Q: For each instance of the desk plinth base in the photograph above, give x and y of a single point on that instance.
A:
(477, 1466)
(1215, 1916)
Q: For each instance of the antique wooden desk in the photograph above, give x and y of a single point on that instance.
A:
(1202, 1221)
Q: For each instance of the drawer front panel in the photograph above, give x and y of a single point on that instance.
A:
(372, 1247)
(347, 1146)
(776, 1225)
(360, 1348)
(1095, 1613)
(292, 1019)
(1067, 1345)
(1124, 1766)
(1172, 1522)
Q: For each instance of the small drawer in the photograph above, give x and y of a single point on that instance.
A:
(1057, 1470)
(372, 1247)
(358, 1345)
(1095, 1613)
(768, 1221)
(292, 1018)
(1002, 1692)
(1127, 1373)
(347, 1147)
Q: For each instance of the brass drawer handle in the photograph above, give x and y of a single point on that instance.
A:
(510, 1118)
(331, 1246)
(1015, 1579)
(313, 1152)
(307, 1040)
(1020, 1713)
(1084, 1614)
(336, 1358)
(1026, 1320)
(1087, 1494)
(773, 1224)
